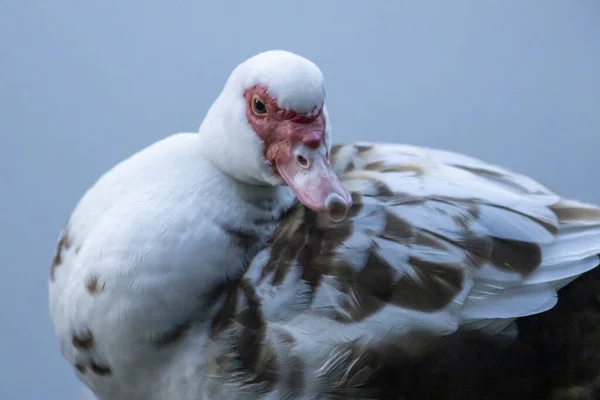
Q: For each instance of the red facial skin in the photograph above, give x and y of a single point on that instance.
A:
(281, 129)
(292, 144)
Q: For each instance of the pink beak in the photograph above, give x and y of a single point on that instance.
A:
(307, 171)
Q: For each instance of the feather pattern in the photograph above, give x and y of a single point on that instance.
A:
(435, 242)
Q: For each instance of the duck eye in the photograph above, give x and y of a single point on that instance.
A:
(258, 106)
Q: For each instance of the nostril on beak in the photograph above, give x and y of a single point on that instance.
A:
(337, 208)
(302, 162)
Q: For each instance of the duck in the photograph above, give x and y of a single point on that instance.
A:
(255, 259)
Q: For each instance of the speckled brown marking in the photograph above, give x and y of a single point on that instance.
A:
(508, 255)
(381, 166)
(98, 369)
(516, 256)
(396, 229)
(308, 239)
(293, 222)
(63, 244)
(84, 341)
(260, 361)
(224, 317)
(357, 199)
(288, 241)
(92, 286)
(243, 239)
(465, 213)
(424, 239)
(433, 289)
(324, 238)
(287, 338)
(368, 290)
(250, 316)
(362, 149)
(257, 357)
(350, 167)
(375, 166)
(417, 170)
(362, 175)
(377, 277)
(382, 190)
(172, 336)
(573, 213)
(314, 265)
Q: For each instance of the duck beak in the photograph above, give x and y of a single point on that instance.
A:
(308, 172)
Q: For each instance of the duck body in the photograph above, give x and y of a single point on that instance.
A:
(253, 260)
(150, 212)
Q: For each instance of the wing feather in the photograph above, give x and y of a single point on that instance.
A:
(434, 239)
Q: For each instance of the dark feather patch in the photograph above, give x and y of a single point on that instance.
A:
(225, 314)
(381, 166)
(396, 229)
(305, 238)
(567, 214)
(92, 285)
(516, 256)
(63, 244)
(83, 341)
(363, 149)
(245, 239)
(257, 357)
(432, 287)
(99, 369)
(364, 295)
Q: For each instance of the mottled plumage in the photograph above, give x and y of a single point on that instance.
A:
(190, 271)
(435, 243)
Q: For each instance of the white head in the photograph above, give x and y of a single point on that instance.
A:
(269, 126)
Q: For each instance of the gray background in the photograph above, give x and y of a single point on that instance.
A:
(85, 84)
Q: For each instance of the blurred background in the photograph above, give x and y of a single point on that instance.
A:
(85, 84)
